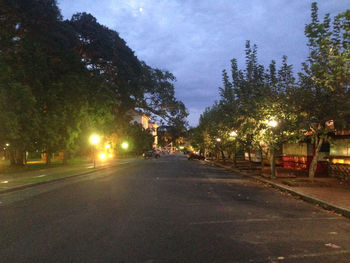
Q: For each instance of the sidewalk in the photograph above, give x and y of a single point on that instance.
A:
(23, 180)
(327, 192)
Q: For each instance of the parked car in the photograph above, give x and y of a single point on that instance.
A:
(151, 154)
(193, 156)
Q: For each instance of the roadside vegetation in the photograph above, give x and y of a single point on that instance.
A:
(262, 107)
(63, 80)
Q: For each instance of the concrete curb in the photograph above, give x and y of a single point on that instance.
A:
(310, 199)
(25, 186)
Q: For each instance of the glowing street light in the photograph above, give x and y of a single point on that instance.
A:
(103, 156)
(233, 134)
(94, 139)
(125, 145)
(272, 123)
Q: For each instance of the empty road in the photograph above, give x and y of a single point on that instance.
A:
(166, 210)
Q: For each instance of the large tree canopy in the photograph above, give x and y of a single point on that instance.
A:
(255, 96)
(69, 78)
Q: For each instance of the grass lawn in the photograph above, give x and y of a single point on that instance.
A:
(33, 165)
(41, 178)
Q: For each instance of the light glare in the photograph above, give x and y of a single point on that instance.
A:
(272, 123)
(233, 134)
(94, 139)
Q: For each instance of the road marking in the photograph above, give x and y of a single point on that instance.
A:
(252, 220)
(42, 175)
(333, 233)
(321, 254)
(124, 162)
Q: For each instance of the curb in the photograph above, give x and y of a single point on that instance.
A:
(25, 186)
(310, 199)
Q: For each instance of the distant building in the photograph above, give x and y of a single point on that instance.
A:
(145, 121)
(153, 128)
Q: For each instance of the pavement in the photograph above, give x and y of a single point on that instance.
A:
(23, 180)
(327, 192)
(167, 210)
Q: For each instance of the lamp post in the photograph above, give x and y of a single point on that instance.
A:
(233, 135)
(272, 124)
(94, 140)
(218, 140)
(6, 151)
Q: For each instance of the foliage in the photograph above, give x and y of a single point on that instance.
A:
(325, 80)
(62, 80)
(254, 96)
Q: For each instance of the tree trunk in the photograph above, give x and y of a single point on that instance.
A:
(235, 155)
(222, 155)
(48, 157)
(16, 158)
(25, 159)
(20, 158)
(262, 158)
(12, 158)
(249, 157)
(65, 157)
(313, 165)
(273, 163)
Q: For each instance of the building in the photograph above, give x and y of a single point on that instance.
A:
(298, 157)
(145, 121)
(339, 155)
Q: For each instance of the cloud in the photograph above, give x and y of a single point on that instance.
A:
(196, 39)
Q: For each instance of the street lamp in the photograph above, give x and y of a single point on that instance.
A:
(233, 134)
(94, 139)
(125, 145)
(218, 140)
(272, 124)
(103, 156)
(6, 151)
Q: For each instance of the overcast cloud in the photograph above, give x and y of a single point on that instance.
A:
(196, 39)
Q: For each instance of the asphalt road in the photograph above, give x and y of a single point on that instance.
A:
(167, 210)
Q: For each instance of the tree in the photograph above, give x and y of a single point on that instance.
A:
(131, 82)
(18, 119)
(73, 77)
(325, 80)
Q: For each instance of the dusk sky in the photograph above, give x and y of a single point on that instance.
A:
(196, 39)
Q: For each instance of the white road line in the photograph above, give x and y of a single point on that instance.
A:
(320, 254)
(252, 220)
